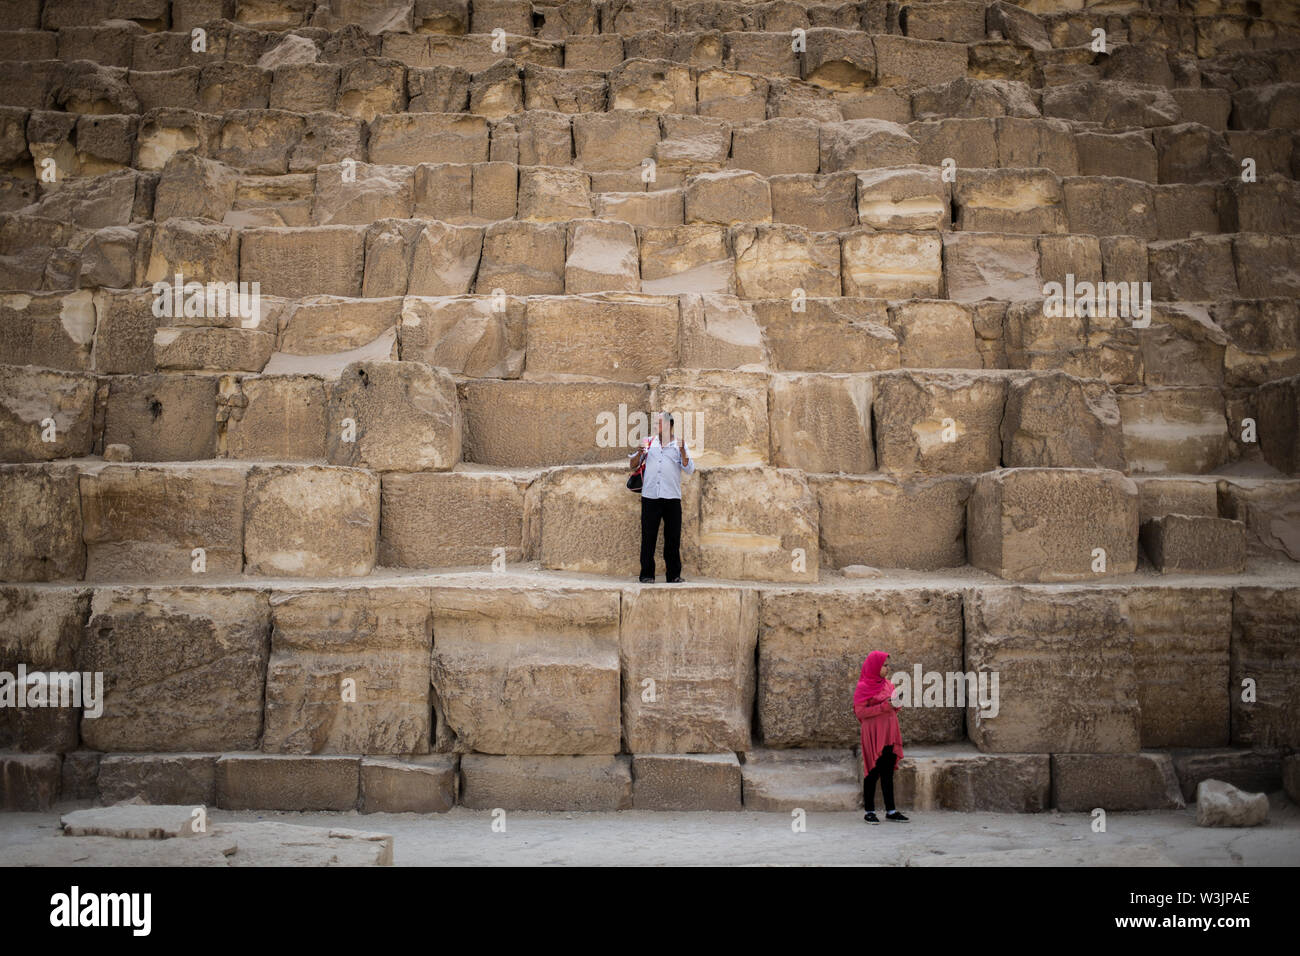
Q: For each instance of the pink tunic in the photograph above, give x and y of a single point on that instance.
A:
(879, 729)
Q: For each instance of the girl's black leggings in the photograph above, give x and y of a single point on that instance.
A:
(882, 770)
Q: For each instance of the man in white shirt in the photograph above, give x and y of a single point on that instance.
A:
(665, 458)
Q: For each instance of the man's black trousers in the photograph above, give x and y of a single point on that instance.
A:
(669, 511)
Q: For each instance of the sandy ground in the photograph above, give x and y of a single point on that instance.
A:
(642, 838)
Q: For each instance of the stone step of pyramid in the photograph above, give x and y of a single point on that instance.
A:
(935, 777)
(98, 521)
(710, 204)
(624, 150)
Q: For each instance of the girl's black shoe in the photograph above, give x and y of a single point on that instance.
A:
(870, 816)
(895, 815)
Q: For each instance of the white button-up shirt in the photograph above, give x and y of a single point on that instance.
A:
(663, 470)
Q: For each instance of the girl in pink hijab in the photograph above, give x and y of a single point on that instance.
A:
(882, 742)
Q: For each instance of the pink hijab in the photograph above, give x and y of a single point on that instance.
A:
(871, 686)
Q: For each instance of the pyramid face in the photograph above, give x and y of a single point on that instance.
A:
(328, 327)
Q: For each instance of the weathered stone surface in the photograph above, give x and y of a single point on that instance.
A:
(686, 782)
(958, 777)
(276, 418)
(811, 780)
(526, 671)
(903, 197)
(1197, 269)
(411, 138)
(409, 785)
(466, 335)
(837, 59)
(144, 524)
(359, 193)
(200, 250)
(159, 778)
(554, 193)
(456, 519)
(820, 203)
(1180, 653)
(884, 522)
(1048, 524)
(29, 781)
(1220, 804)
(590, 522)
(989, 266)
(546, 783)
(722, 416)
(41, 522)
(349, 673)
(1066, 673)
(124, 332)
(1028, 201)
(444, 260)
(728, 196)
(1183, 496)
(897, 265)
(41, 633)
(614, 140)
(1175, 430)
(659, 209)
(696, 647)
(619, 337)
(45, 414)
(822, 422)
(689, 259)
(1263, 650)
(1279, 424)
(1183, 544)
(582, 422)
(777, 146)
(910, 62)
(1263, 339)
(720, 332)
(602, 257)
(184, 669)
(310, 521)
(194, 187)
(523, 258)
(1114, 782)
(757, 524)
(161, 822)
(163, 417)
(774, 260)
(324, 260)
(212, 349)
(80, 775)
(938, 421)
(1270, 510)
(50, 329)
(811, 647)
(828, 335)
(1291, 776)
(934, 333)
(283, 782)
(1182, 346)
(1254, 770)
(405, 417)
(1058, 421)
(1110, 206)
